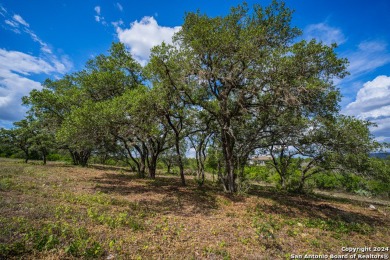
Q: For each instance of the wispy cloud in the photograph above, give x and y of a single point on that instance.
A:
(119, 6)
(324, 33)
(143, 35)
(16, 68)
(3, 11)
(12, 23)
(18, 25)
(369, 56)
(20, 20)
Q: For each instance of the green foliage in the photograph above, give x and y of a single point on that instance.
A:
(53, 236)
(6, 183)
(119, 220)
(56, 157)
(257, 173)
(328, 181)
(339, 226)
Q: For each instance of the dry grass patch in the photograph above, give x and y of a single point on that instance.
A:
(60, 211)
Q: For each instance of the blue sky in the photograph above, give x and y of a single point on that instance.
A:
(47, 39)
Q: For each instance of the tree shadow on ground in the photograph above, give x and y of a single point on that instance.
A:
(109, 168)
(310, 207)
(162, 195)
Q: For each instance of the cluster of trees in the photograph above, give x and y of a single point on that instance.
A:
(228, 87)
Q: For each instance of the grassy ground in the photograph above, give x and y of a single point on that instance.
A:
(59, 211)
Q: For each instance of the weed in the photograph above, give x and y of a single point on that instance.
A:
(120, 219)
(46, 211)
(6, 184)
(13, 249)
(210, 252)
(292, 232)
(244, 240)
(339, 226)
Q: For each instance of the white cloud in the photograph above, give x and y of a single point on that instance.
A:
(143, 35)
(12, 23)
(117, 23)
(12, 88)
(372, 100)
(369, 56)
(20, 20)
(14, 26)
(23, 63)
(373, 103)
(97, 10)
(119, 6)
(324, 33)
(15, 68)
(98, 17)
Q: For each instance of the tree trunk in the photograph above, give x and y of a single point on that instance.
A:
(27, 155)
(44, 155)
(177, 146)
(179, 159)
(200, 164)
(152, 165)
(84, 156)
(227, 147)
(80, 158)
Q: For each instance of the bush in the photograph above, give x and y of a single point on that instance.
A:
(55, 157)
(352, 182)
(327, 181)
(379, 188)
(257, 173)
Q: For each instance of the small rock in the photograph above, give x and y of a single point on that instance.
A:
(110, 256)
(372, 207)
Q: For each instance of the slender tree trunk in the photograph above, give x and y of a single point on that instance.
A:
(26, 156)
(44, 158)
(44, 155)
(177, 146)
(180, 161)
(200, 164)
(143, 157)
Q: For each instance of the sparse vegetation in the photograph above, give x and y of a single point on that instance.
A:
(60, 211)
